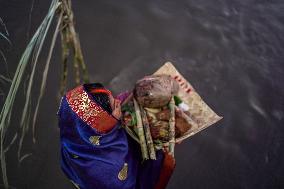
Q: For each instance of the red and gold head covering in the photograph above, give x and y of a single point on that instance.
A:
(89, 111)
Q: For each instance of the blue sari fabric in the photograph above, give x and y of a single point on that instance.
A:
(94, 159)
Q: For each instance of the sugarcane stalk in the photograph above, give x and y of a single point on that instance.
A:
(64, 55)
(70, 42)
(78, 56)
(140, 131)
(172, 127)
(148, 136)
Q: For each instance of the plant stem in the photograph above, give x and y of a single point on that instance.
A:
(140, 130)
(172, 126)
(70, 43)
(148, 136)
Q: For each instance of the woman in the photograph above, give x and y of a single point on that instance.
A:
(96, 152)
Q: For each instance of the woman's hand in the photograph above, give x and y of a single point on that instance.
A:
(116, 109)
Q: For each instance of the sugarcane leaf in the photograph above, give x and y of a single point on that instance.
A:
(30, 19)
(11, 143)
(5, 62)
(25, 156)
(2, 77)
(39, 43)
(45, 72)
(4, 25)
(5, 115)
(6, 38)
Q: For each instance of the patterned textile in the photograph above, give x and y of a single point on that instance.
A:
(96, 152)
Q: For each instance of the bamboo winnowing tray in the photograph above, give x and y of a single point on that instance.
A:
(200, 112)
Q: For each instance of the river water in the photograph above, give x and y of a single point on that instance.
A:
(232, 52)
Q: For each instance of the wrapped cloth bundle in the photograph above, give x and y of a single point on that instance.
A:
(165, 109)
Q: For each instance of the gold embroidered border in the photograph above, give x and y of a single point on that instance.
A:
(89, 111)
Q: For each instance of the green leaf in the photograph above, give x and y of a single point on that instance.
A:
(178, 100)
(32, 50)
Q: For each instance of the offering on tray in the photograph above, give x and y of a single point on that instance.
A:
(164, 109)
(155, 91)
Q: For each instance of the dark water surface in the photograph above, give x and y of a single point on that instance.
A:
(231, 51)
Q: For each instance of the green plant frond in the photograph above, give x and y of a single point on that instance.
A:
(5, 62)
(45, 72)
(70, 47)
(11, 143)
(24, 157)
(5, 116)
(6, 38)
(38, 47)
(4, 25)
(24, 130)
(30, 19)
(6, 34)
(6, 79)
